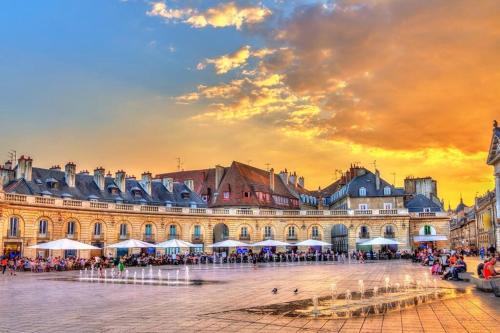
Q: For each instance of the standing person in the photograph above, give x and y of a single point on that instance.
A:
(121, 267)
(481, 253)
(12, 266)
(4, 264)
(492, 250)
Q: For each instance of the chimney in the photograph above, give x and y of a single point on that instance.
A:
(377, 180)
(284, 176)
(219, 172)
(70, 174)
(6, 175)
(84, 172)
(120, 180)
(271, 179)
(24, 168)
(99, 177)
(146, 179)
(293, 179)
(56, 167)
(301, 181)
(168, 183)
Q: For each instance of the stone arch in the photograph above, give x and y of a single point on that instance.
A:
(431, 228)
(310, 231)
(273, 231)
(340, 238)
(173, 233)
(288, 233)
(77, 230)
(20, 225)
(148, 234)
(38, 227)
(104, 230)
(363, 231)
(384, 232)
(220, 232)
(129, 230)
(250, 231)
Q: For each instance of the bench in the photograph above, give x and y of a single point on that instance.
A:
(482, 284)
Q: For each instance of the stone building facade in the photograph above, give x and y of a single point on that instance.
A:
(29, 212)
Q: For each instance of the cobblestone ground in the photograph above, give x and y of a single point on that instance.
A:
(39, 303)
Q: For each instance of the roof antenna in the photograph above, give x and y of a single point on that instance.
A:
(374, 164)
(179, 164)
(267, 166)
(394, 181)
(13, 156)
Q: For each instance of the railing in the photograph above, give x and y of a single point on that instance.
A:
(100, 205)
(291, 237)
(97, 237)
(13, 233)
(197, 238)
(156, 209)
(389, 235)
(173, 236)
(315, 237)
(149, 237)
(124, 207)
(268, 237)
(364, 235)
(72, 203)
(45, 201)
(72, 235)
(123, 236)
(244, 237)
(43, 235)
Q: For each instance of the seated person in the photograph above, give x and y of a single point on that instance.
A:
(489, 269)
(458, 267)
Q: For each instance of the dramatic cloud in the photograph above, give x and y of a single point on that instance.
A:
(224, 15)
(239, 58)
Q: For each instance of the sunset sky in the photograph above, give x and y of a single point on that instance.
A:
(310, 86)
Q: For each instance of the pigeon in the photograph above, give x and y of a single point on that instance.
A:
(296, 291)
(275, 290)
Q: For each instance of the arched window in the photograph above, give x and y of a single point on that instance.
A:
(387, 190)
(197, 230)
(123, 230)
(244, 232)
(13, 227)
(70, 230)
(363, 232)
(315, 231)
(291, 232)
(97, 229)
(389, 232)
(427, 230)
(148, 229)
(268, 232)
(362, 192)
(172, 234)
(43, 226)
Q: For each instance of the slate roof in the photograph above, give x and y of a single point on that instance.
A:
(419, 202)
(86, 189)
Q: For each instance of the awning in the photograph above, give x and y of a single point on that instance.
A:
(64, 244)
(430, 238)
(381, 241)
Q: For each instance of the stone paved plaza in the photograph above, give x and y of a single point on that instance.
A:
(41, 303)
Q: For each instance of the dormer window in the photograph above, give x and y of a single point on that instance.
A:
(246, 194)
(427, 209)
(185, 194)
(51, 183)
(136, 192)
(387, 190)
(226, 195)
(362, 192)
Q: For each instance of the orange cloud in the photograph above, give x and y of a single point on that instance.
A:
(239, 58)
(224, 15)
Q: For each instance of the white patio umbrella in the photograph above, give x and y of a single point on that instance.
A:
(381, 241)
(174, 243)
(312, 242)
(270, 242)
(229, 243)
(64, 244)
(131, 243)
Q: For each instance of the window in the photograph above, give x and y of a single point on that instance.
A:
(363, 232)
(226, 195)
(97, 229)
(246, 194)
(13, 226)
(205, 198)
(172, 231)
(315, 231)
(148, 229)
(244, 231)
(268, 231)
(363, 206)
(42, 227)
(197, 230)
(123, 229)
(387, 190)
(389, 232)
(427, 230)
(189, 183)
(362, 192)
(387, 205)
(71, 228)
(291, 231)
(427, 210)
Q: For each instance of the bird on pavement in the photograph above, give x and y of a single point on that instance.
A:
(275, 290)
(296, 291)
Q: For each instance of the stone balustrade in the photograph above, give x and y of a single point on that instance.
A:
(150, 209)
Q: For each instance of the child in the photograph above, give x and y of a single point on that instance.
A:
(436, 268)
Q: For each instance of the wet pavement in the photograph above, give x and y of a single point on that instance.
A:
(57, 302)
